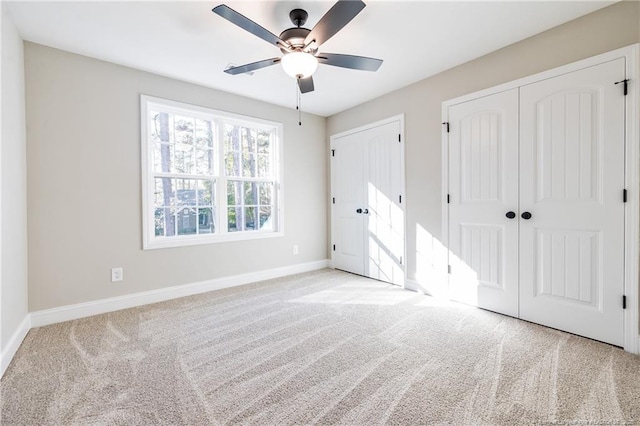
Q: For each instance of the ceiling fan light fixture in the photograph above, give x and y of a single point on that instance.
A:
(299, 64)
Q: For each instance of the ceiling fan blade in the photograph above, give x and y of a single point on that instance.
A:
(252, 66)
(247, 24)
(349, 61)
(305, 84)
(337, 17)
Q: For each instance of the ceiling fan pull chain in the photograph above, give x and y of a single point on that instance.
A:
(299, 101)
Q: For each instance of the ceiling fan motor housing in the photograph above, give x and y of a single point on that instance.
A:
(295, 37)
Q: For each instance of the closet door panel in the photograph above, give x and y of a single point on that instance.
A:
(385, 218)
(571, 181)
(348, 174)
(483, 176)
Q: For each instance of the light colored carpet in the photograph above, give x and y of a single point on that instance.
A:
(319, 348)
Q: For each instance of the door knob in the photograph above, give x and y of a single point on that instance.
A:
(366, 211)
(511, 215)
(359, 211)
(526, 215)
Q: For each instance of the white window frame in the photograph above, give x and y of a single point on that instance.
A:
(219, 118)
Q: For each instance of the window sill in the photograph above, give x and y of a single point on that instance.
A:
(185, 241)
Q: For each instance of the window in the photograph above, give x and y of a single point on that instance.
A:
(208, 176)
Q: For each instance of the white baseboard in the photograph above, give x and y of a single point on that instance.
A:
(81, 310)
(414, 285)
(14, 343)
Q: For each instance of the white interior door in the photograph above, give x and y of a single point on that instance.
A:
(384, 189)
(571, 182)
(483, 188)
(367, 190)
(348, 192)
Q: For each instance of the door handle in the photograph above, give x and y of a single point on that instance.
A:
(365, 211)
(511, 215)
(526, 215)
(359, 211)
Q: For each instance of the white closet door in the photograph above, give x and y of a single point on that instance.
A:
(385, 218)
(483, 188)
(571, 182)
(348, 174)
(368, 220)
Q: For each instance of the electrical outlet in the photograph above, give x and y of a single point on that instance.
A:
(116, 274)
(295, 249)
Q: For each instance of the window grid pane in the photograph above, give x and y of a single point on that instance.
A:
(249, 205)
(247, 152)
(182, 144)
(184, 206)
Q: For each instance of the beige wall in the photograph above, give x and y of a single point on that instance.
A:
(13, 200)
(84, 190)
(607, 29)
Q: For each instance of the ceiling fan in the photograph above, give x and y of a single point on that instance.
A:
(300, 45)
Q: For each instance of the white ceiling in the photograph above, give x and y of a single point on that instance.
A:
(186, 41)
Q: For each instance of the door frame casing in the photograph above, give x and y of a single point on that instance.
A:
(332, 138)
(631, 54)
